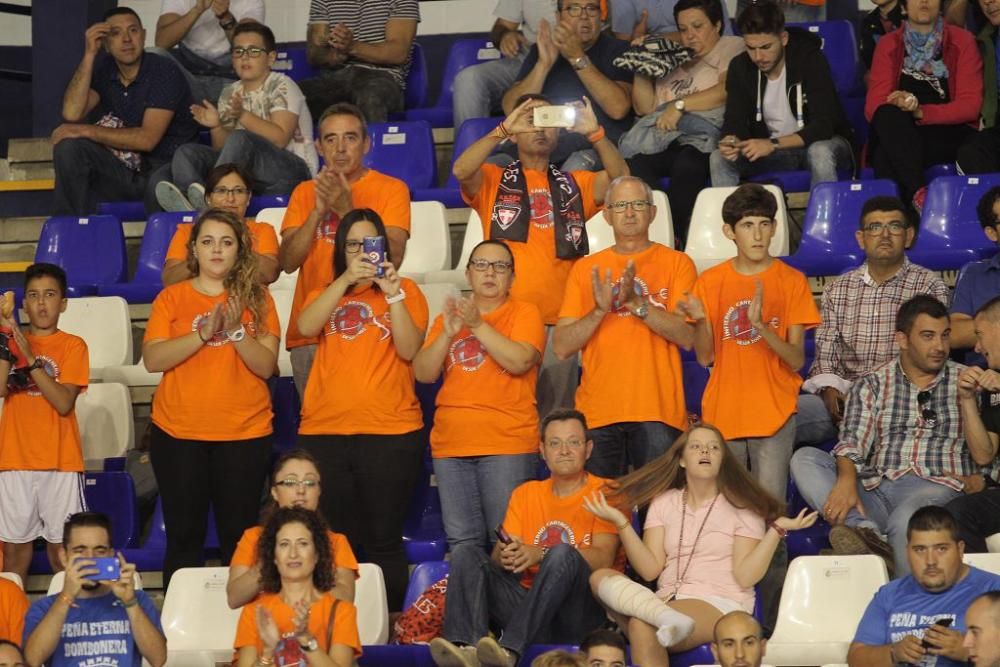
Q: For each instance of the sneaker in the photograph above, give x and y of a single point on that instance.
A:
(196, 195)
(170, 197)
(446, 654)
(491, 654)
(847, 541)
(919, 197)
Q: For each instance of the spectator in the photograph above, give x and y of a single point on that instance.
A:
(604, 648)
(624, 298)
(855, 335)
(902, 443)
(534, 585)
(13, 606)
(262, 124)
(485, 435)
(887, 16)
(199, 41)
(924, 94)
(982, 639)
(10, 654)
(215, 339)
(144, 105)
(95, 621)
(978, 281)
(297, 612)
(367, 439)
(903, 623)
(634, 20)
(559, 658)
(479, 89)
(309, 229)
(738, 641)
(979, 396)
(697, 472)
(574, 60)
(545, 229)
(41, 457)
(295, 482)
(782, 110)
(363, 53)
(978, 154)
(750, 318)
(795, 11)
(688, 105)
(228, 188)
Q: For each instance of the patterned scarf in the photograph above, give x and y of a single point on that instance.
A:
(923, 51)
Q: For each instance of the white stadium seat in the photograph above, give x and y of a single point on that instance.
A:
(197, 621)
(429, 247)
(993, 543)
(104, 323)
(436, 293)
(600, 236)
(473, 236)
(273, 217)
(989, 561)
(13, 576)
(104, 413)
(283, 304)
(373, 610)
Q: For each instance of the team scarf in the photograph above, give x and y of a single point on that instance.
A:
(512, 211)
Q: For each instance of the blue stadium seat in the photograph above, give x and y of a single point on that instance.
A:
(415, 94)
(90, 249)
(792, 181)
(839, 45)
(423, 576)
(156, 238)
(291, 61)
(127, 211)
(828, 244)
(260, 202)
(149, 557)
(405, 150)
(950, 235)
(471, 131)
(854, 109)
(463, 53)
(423, 531)
(396, 655)
(287, 407)
(695, 381)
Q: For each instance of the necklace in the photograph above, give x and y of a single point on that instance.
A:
(680, 540)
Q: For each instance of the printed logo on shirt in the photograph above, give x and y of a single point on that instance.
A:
(352, 319)
(541, 209)
(906, 623)
(51, 369)
(994, 399)
(618, 299)
(557, 532)
(106, 644)
(326, 230)
(736, 324)
(467, 353)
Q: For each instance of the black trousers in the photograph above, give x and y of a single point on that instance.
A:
(375, 92)
(688, 170)
(978, 516)
(368, 485)
(195, 474)
(980, 154)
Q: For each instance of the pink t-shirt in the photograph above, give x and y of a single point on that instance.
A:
(711, 573)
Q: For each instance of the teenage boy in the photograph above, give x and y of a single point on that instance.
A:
(750, 316)
(41, 459)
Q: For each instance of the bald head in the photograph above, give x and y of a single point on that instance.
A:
(982, 637)
(737, 640)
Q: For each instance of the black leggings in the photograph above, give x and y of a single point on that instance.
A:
(688, 170)
(368, 485)
(193, 474)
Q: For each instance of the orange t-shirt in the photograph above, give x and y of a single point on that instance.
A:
(541, 276)
(13, 607)
(538, 517)
(265, 240)
(631, 374)
(358, 384)
(288, 652)
(482, 409)
(33, 436)
(211, 395)
(246, 550)
(751, 392)
(387, 196)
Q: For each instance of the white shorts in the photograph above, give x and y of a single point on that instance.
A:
(724, 605)
(36, 503)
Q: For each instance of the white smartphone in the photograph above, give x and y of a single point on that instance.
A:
(556, 115)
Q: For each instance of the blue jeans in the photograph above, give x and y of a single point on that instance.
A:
(474, 493)
(205, 78)
(888, 507)
(821, 158)
(480, 88)
(618, 445)
(767, 458)
(813, 424)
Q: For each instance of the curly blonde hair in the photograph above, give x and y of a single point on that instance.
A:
(241, 282)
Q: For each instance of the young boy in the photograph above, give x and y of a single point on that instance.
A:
(750, 315)
(41, 459)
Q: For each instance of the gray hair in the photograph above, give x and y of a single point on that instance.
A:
(628, 179)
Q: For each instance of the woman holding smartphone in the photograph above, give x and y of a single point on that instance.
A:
(360, 414)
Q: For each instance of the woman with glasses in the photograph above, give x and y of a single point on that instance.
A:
(261, 123)
(295, 482)
(485, 436)
(360, 414)
(228, 189)
(215, 339)
(710, 533)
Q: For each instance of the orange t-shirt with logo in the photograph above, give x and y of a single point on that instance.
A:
(751, 392)
(33, 435)
(246, 550)
(211, 395)
(482, 409)
(265, 240)
(358, 384)
(631, 374)
(288, 651)
(541, 276)
(536, 516)
(13, 608)
(387, 196)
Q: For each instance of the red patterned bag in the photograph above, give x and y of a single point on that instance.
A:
(423, 620)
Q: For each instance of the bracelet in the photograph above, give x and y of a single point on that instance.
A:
(67, 599)
(622, 527)
(500, 132)
(396, 299)
(265, 662)
(778, 529)
(203, 340)
(131, 603)
(596, 135)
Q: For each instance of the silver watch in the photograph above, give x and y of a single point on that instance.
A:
(238, 335)
(679, 105)
(641, 311)
(309, 645)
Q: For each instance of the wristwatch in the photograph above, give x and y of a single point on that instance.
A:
(679, 105)
(641, 311)
(37, 363)
(396, 299)
(226, 23)
(309, 645)
(775, 142)
(580, 63)
(238, 335)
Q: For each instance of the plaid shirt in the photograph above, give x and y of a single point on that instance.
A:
(885, 434)
(859, 319)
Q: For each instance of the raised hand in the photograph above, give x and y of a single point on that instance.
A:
(94, 37)
(206, 114)
(469, 312)
(521, 119)
(803, 519)
(586, 121)
(212, 324)
(640, 30)
(390, 282)
(358, 269)
(124, 588)
(691, 307)
(603, 290)
(77, 574)
(756, 309)
(598, 505)
(267, 629)
(567, 41)
(232, 313)
(451, 319)
(548, 52)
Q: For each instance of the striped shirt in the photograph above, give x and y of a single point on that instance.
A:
(367, 19)
(859, 322)
(888, 432)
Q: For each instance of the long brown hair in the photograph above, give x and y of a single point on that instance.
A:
(241, 282)
(663, 473)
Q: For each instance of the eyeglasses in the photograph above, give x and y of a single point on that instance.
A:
(927, 414)
(482, 265)
(353, 246)
(292, 483)
(576, 10)
(236, 192)
(637, 205)
(572, 443)
(876, 228)
(252, 51)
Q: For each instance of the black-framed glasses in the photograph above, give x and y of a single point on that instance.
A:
(926, 413)
(876, 228)
(252, 51)
(237, 192)
(482, 265)
(636, 204)
(353, 246)
(577, 10)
